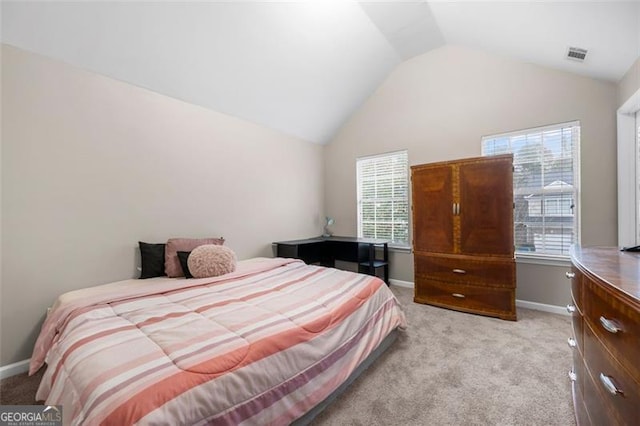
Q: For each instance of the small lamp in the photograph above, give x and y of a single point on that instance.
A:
(329, 221)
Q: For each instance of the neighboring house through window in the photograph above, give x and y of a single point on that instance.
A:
(383, 197)
(545, 186)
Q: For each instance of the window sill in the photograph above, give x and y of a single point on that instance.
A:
(400, 249)
(547, 260)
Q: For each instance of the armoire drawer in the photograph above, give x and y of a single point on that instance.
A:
(494, 301)
(617, 325)
(464, 270)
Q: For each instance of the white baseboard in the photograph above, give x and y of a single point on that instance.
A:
(400, 283)
(520, 303)
(15, 368)
(560, 310)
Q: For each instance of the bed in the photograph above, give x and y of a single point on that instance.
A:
(270, 343)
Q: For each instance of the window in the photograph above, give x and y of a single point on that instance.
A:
(637, 156)
(383, 197)
(545, 186)
(553, 206)
(557, 206)
(628, 118)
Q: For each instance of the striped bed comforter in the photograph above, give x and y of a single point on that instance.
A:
(262, 345)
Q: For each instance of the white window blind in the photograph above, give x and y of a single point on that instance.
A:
(383, 197)
(545, 186)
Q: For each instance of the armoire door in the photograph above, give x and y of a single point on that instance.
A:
(486, 207)
(432, 201)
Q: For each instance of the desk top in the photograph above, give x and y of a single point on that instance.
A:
(335, 238)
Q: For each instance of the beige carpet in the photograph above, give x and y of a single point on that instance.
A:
(448, 368)
(451, 368)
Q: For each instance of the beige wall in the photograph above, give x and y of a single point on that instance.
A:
(438, 106)
(91, 165)
(630, 83)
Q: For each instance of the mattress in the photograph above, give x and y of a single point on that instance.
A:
(262, 345)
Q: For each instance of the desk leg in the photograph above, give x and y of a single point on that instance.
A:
(328, 263)
(386, 259)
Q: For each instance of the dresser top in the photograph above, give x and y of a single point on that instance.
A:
(621, 270)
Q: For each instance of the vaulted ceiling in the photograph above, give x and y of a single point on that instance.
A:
(304, 67)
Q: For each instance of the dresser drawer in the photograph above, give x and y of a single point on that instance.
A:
(603, 368)
(578, 379)
(577, 368)
(464, 270)
(493, 301)
(598, 412)
(576, 288)
(582, 418)
(577, 325)
(606, 287)
(603, 310)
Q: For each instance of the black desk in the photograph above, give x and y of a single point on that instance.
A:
(326, 250)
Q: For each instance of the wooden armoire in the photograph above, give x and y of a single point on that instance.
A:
(463, 235)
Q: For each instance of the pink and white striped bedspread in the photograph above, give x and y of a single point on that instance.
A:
(262, 345)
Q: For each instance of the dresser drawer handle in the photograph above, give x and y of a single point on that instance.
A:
(609, 385)
(571, 309)
(609, 325)
(572, 376)
(569, 275)
(458, 295)
(459, 271)
(571, 342)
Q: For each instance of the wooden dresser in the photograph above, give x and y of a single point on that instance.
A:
(605, 288)
(463, 235)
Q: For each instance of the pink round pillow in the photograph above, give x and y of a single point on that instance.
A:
(211, 260)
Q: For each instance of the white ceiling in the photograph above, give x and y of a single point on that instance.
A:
(540, 32)
(303, 67)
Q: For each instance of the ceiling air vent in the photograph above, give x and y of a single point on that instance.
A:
(576, 54)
